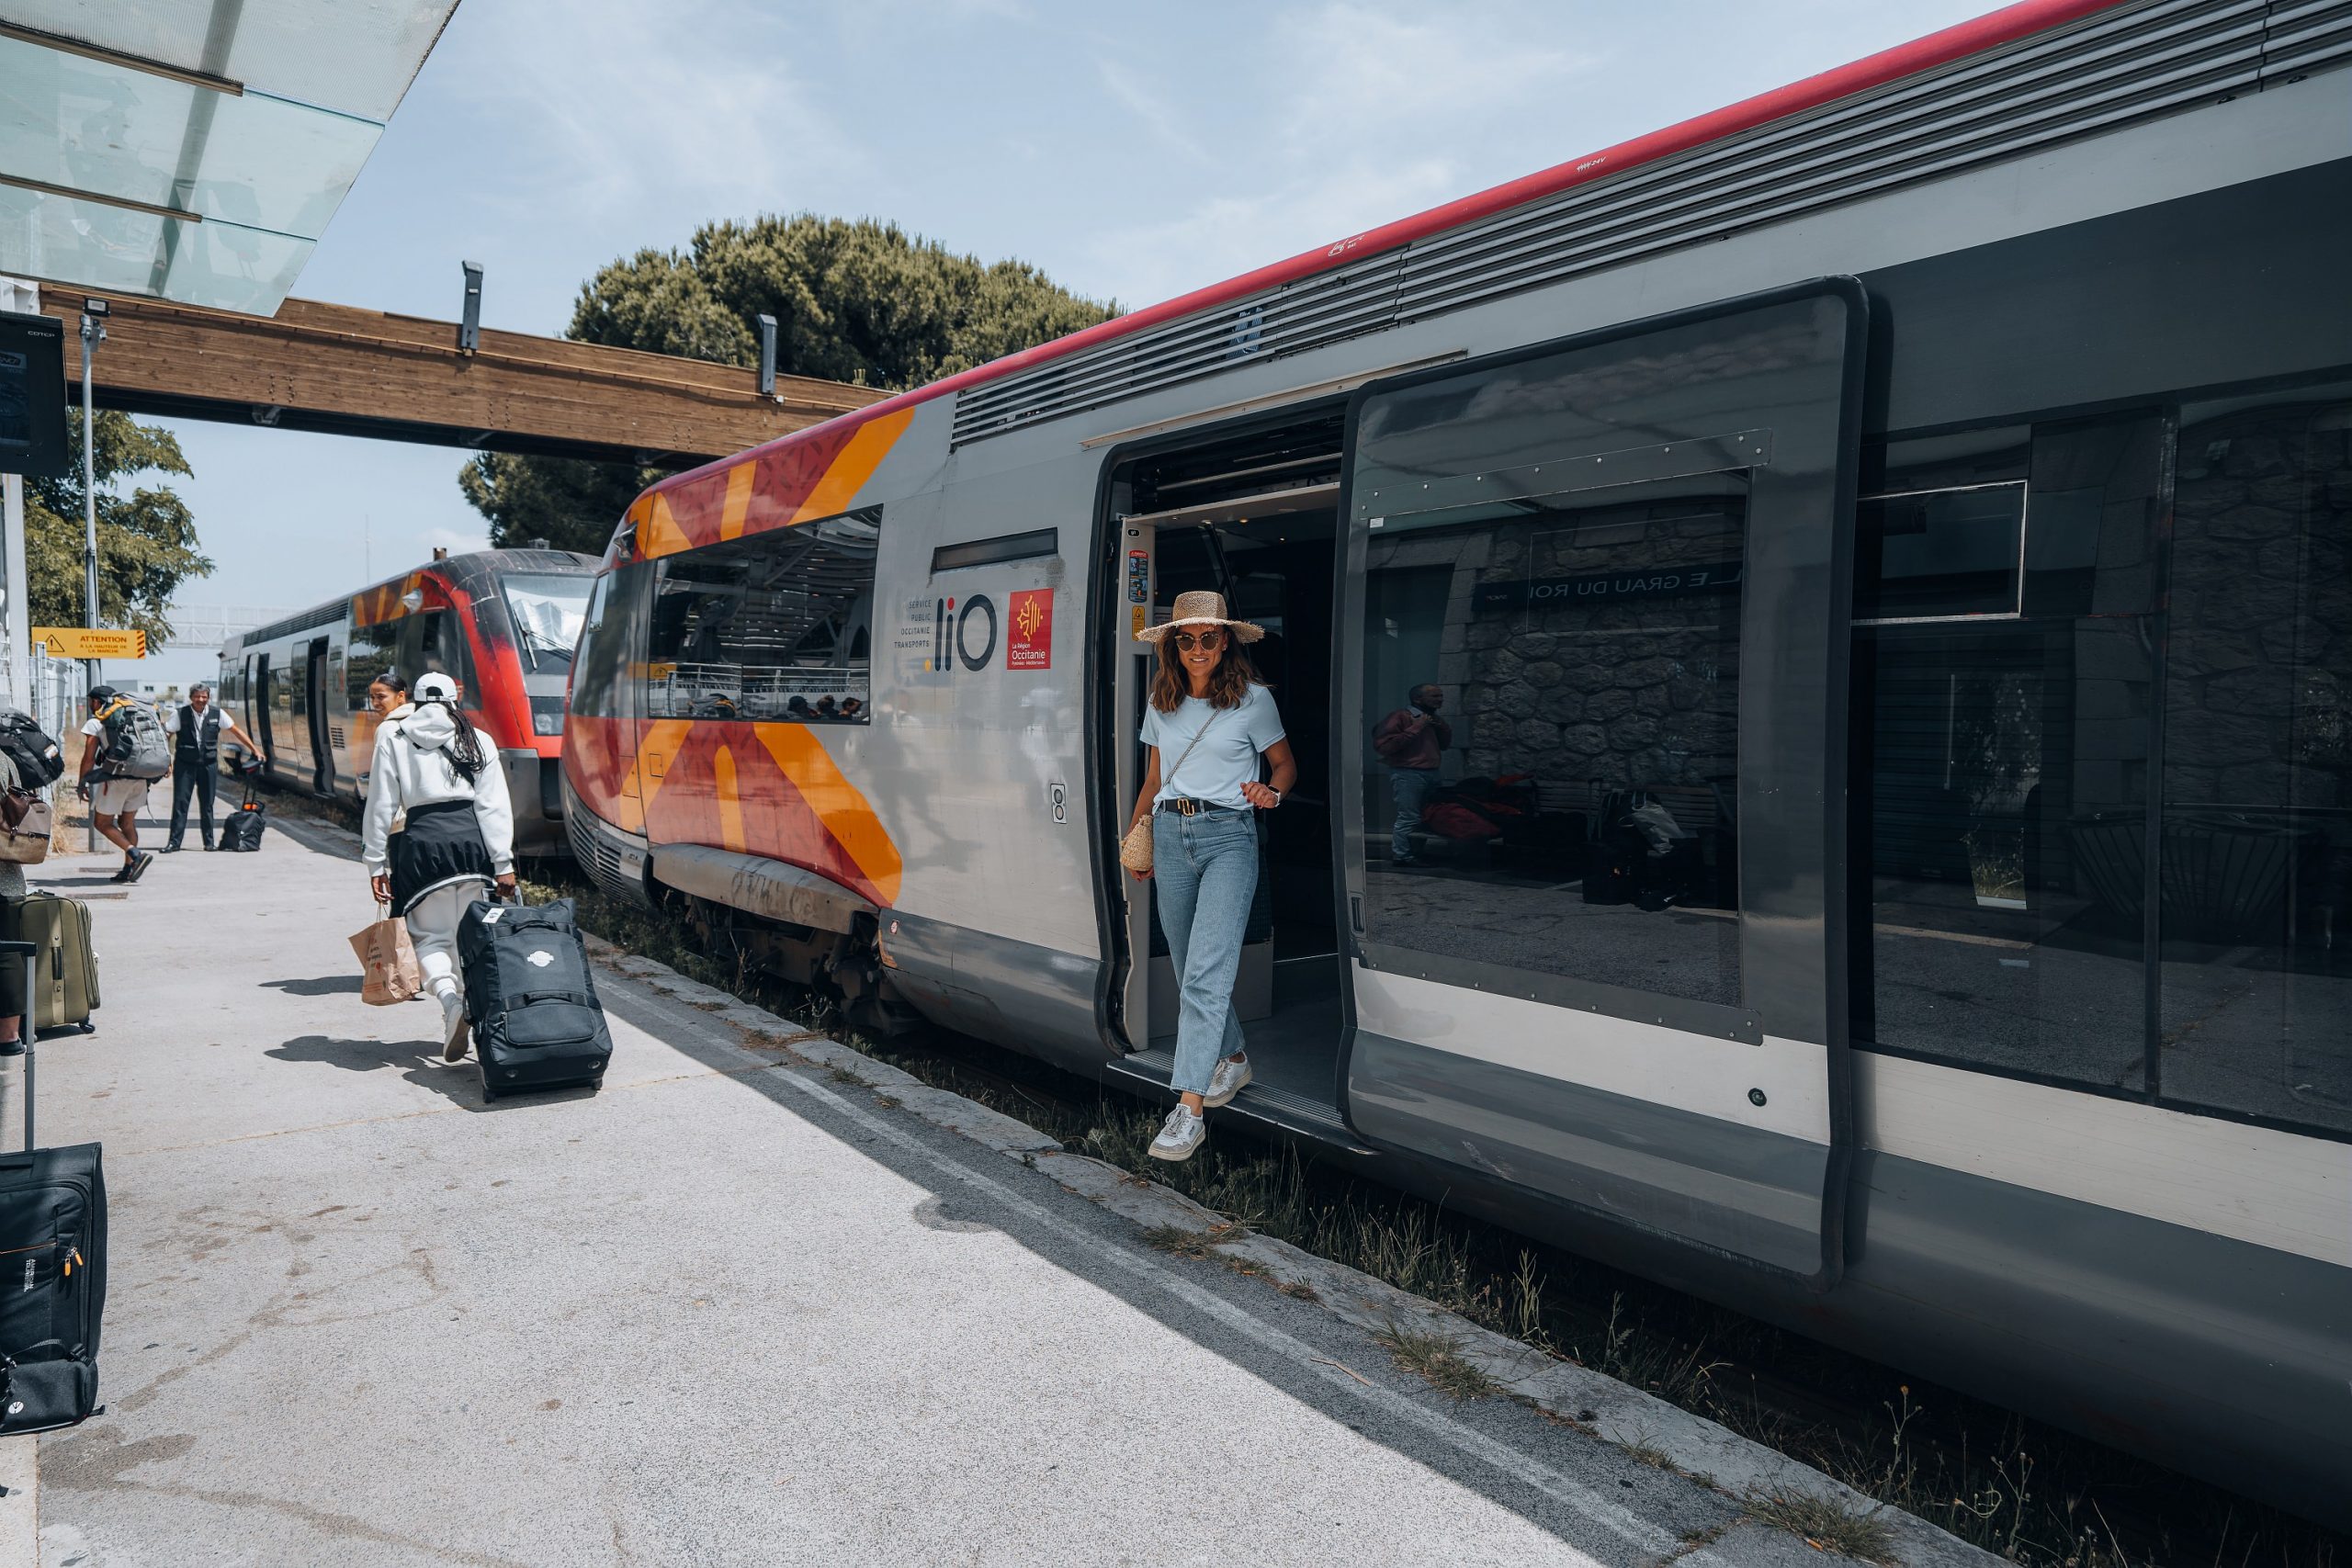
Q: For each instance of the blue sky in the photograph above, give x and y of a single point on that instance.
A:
(1132, 151)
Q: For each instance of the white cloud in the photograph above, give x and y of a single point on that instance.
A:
(613, 107)
(1365, 114)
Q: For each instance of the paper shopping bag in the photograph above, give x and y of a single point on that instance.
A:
(387, 962)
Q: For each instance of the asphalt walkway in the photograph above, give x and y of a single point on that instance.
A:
(728, 1311)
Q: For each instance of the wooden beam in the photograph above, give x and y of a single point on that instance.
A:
(337, 368)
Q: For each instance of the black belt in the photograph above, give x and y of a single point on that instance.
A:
(1187, 808)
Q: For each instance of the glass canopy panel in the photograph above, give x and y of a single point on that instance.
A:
(108, 249)
(358, 59)
(256, 161)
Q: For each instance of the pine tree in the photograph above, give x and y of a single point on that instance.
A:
(860, 302)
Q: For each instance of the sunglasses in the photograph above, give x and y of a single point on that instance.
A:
(1202, 640)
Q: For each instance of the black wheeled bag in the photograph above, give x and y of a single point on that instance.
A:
(64, 978)
(529, 998)
(52, 1266)
(241, 833)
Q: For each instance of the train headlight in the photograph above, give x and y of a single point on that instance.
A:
(546, 716)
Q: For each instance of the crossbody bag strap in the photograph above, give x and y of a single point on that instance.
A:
(1169, 777)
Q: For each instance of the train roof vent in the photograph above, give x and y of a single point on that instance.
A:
(325, 615)
(2132, 63)
(1290, 320)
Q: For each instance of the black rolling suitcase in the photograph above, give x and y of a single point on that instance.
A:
(52, 1269)
(529, 998)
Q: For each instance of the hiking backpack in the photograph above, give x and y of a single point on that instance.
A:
(135, 744)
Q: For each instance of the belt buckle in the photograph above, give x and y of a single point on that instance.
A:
(1185, 806)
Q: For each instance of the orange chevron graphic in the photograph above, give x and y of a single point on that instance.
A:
(816, 474)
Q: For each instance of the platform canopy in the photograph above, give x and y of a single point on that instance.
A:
(192, 150)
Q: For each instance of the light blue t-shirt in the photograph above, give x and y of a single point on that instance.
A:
(1226, 756)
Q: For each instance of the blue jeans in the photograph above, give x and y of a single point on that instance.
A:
(1409, 786)
(1206, 868)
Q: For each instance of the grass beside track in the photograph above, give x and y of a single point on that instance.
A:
(2023, 1490)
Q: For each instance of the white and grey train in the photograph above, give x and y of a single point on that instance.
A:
(1885, 550)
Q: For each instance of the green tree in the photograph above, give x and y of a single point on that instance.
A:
(146, 539)
(860, 302)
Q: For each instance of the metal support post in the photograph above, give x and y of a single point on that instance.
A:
(94, 332)
(767, 354)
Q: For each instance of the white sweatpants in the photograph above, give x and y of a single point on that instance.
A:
(432, 931)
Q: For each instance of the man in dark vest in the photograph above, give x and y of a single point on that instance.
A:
(196, 726)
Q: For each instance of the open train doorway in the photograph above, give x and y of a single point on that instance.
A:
(1252, 514)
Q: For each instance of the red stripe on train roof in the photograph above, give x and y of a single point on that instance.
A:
(1959, 41)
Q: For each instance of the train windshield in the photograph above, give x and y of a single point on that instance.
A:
(548, 612)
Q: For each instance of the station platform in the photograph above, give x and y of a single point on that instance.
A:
(738, 1307)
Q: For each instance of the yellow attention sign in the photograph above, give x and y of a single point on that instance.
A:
(84, 642)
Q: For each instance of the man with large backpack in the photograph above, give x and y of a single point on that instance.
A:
(123, 750)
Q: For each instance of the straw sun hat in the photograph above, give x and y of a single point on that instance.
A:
(1202, 609)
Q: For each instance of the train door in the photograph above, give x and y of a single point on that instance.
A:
(257, 704)
(325, 693)
(1251, 514)
(1590, 736)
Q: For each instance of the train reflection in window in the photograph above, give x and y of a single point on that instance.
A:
(2255, 914)
(1553, 737)
(777, 626)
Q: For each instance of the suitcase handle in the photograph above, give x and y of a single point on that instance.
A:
(577, 998)
(27, 952)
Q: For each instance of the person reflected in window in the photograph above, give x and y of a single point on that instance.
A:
(826, 710)
(797, 711)
(852, 710)
(1411, 741)
(1208, 704)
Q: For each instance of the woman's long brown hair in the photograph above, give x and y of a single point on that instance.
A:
(1228, 682)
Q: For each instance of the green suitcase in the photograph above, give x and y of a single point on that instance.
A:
(64, 969)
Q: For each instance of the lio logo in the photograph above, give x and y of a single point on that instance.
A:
(954, 637)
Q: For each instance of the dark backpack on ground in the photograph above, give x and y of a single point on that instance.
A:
(241, 832)
(135, 745)
(529, 997)
(39, 759)
(52, 1269)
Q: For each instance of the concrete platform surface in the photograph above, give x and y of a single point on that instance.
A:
(726, 1310)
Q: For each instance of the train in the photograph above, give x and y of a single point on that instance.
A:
(502, 622)
(1884, 551)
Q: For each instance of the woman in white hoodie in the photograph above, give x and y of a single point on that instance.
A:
(459, 838)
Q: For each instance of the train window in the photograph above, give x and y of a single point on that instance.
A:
(1999, 793)
(1941, 553)
(373, 650)
(2256, 996)
(1553, 750)
(546, 609)
(288, 729)
(604, 644)
(433, 641)
(773, 627)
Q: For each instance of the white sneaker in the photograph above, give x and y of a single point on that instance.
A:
(1226, 1081)
(1185, 1132)
(454, 1035)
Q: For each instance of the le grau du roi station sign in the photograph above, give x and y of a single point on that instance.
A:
(90, 642)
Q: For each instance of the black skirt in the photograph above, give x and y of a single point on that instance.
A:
(442, 844)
